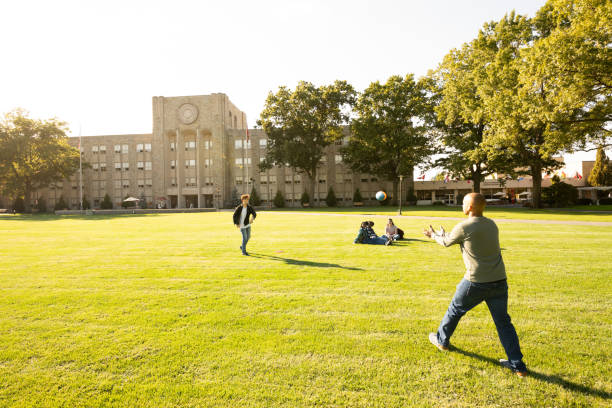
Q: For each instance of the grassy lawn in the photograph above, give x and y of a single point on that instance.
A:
(576, 213)
(162, 311)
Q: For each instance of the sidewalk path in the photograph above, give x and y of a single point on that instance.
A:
(418, 217)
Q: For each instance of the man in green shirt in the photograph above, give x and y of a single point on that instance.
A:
(484, 280)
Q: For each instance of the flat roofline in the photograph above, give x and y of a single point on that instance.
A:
(121, 134)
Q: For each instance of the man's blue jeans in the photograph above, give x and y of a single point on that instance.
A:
(495, 294)
(375, 241)
(246, 235)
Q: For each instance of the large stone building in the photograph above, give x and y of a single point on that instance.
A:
(197, 156)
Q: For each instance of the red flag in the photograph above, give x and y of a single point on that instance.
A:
(578, 176)
(247, 135)
(421, 177)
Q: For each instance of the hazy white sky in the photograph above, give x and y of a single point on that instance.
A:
(96, 64)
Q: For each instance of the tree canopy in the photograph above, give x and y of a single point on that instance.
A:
(301, 123)
(389, 136)
(33, 154)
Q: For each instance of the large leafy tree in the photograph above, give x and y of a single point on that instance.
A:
(389, 136)
(574, 58)
(33, 154)
(459, 120)
(301, 123)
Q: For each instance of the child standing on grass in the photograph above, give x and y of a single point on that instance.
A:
(243, 221)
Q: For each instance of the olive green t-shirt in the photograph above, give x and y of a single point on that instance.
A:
(479, 241)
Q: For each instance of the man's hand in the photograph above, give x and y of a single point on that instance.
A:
(428, 232)
(237, 226)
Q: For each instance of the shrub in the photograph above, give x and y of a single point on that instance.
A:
(107, 203)
(331, 200)
(279, 200)
(41, 205)
(438, 203)
(305, 199)
(605, 201)
(19, 205)
(357, 197)
(255, 200)
(235, 198)
(559, 194)
(86, 204)
(584, 201)
(61, 204)
(411, 197)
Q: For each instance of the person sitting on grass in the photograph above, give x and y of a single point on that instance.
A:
(367, 235)
(484, 280)
(392, 232)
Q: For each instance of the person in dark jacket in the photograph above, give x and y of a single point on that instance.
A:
(243, 221)
(367, 235)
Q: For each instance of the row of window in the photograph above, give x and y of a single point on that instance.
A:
(119, 148)
(191, 145)
(191, 163)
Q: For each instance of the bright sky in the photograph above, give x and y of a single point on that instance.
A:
(96, 64)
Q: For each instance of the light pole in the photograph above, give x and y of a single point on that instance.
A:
(399, 212)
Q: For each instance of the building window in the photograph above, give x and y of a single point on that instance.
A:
(324, 159)
(74, 185)
(248, 144)
(239, 161)
(373, 179)
(117, 183)
(297, 179)
(172, 164)
(102, 149)
(208, 181)
(117, 166)
(125, 183)
(261, 159)
(148, 165)
(126, 166)
(322, 180)
(172, 146)
(95, 166)
(140, 148)
(94, 149)
(207, 144)
(208, 163)
(190, 145)
(190, 182)
(364, 180)
(263, 180)
(140, 165)
(173, 182)
(102, 166)
(117, 148)
(263, 143)
(238, 180)
(238, 144)
(189, 163)
(102, 184)
(124, 149)
(140, 183)
(288, 179)
(338, 158)
(147, 147)
(272, 179)
(149, 182)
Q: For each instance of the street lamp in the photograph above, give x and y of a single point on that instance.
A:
(399, 212)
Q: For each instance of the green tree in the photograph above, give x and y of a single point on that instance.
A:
(33, 154)
(601, 175)
(559, 194)
(459, 120)
(388, 134)
(255, 199)
(279, 200)
(518, 104)
(301, 123)
(572, 57)
(331, 199)
(107, 203)
(235, 198)
(357, 198)
(304, 198)
(60, 204)
(86, 204)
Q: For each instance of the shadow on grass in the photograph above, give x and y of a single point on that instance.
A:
(551, 379)
(290, 261)
(53, 217)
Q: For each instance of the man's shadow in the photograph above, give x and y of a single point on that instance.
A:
(552, 379)
(290, 261)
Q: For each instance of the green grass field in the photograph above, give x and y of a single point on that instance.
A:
(163, 311)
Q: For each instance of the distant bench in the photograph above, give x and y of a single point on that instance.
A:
(3, 210)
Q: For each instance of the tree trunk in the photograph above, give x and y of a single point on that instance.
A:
(311, 189)
(27, 205)
(410, 181)
(476, 179)
(536, 175)
(394, 197)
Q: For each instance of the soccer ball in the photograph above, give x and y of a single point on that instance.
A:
(381, 196)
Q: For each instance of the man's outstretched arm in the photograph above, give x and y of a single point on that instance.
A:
(456, 236)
